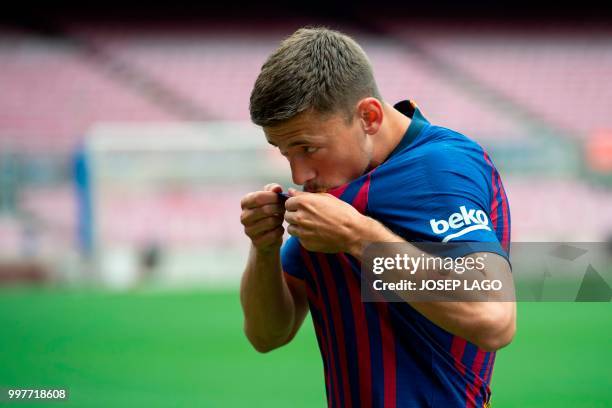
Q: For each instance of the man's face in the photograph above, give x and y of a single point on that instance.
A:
(324, 151)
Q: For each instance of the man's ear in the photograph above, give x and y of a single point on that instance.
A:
(370, 114)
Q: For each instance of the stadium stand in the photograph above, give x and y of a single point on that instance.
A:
(56, 88)
(217, 71)
(53, 92)
(558, 74)
(558, 210)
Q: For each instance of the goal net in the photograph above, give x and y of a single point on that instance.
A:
(161, 202)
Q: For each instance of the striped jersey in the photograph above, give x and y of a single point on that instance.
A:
(378, 354)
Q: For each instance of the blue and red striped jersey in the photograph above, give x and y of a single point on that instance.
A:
(436, 186)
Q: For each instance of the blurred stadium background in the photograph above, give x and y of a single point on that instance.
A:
(125, 148)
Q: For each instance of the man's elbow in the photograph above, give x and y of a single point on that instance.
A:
(497, 329)
(498, 341)
(265, 345)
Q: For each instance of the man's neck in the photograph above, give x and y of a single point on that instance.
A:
(392, 130)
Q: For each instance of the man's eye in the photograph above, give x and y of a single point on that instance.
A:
(310, 149)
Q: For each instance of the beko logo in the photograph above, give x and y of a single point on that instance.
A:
(472, 220)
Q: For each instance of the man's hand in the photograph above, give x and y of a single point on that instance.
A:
(274, 303)
(262, 217)
(322, 222)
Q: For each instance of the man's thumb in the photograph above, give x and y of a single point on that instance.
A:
(293, 192)
(277, 188)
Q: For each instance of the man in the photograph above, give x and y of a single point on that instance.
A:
(371, 172)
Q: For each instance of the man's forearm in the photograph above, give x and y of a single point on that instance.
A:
(266, 301)
(490, 325)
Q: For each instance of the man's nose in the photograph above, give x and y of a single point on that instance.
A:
(300, 172)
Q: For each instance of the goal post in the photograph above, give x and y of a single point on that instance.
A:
(161, 202)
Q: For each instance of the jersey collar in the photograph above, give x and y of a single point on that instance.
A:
(418, 122)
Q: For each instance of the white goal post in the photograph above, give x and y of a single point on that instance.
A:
(161, 201)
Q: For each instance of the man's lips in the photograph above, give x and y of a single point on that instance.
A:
(315, 189)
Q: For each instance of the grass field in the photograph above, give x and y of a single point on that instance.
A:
(187, 349)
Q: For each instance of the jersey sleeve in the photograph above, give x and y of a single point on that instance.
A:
(291, 258)
(440, 192)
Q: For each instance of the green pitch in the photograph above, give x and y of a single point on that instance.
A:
(187, 349)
